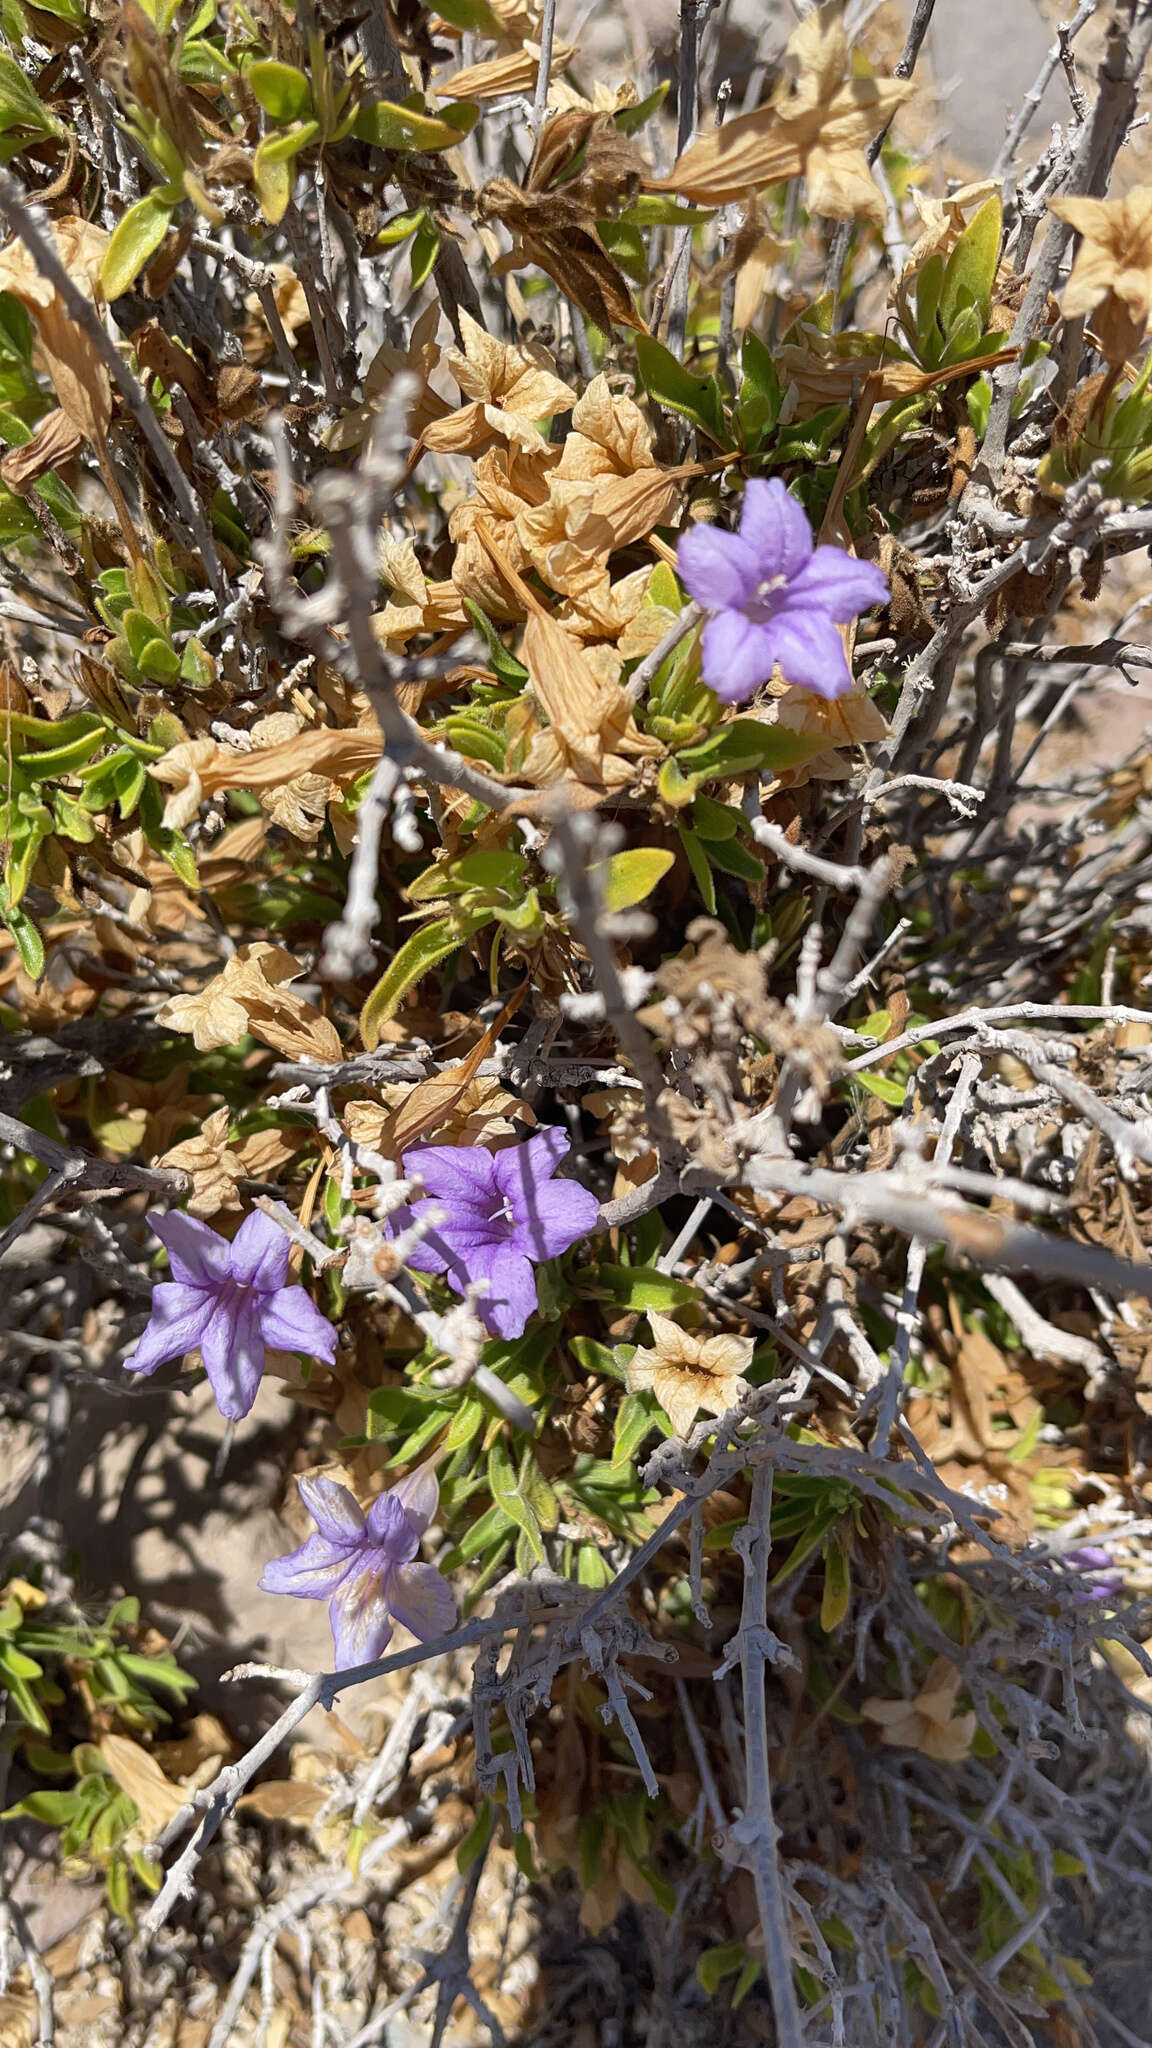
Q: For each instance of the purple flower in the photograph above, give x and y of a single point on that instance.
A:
(362, 1564)
(1097, 1567)
(500, 1212)
(774, 598)
(231, 1300)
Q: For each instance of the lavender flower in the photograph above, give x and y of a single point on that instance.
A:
(773, 598)
(499, 1212)
(362, 1565)
(231, 1301)
(1098, 1569)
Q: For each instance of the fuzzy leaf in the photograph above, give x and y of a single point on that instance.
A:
(416, 958)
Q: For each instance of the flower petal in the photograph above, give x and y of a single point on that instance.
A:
(836, 583)
(290, 1321)
(461, 1175)
(260, 1252)
(422, 1601)
(737, 656)
(419, 1495)
(336, 1513)
(775, 527)
(810, 652)
(552, 1217)
(361, 1622)
(512, 1301)
(198, 1256)
(180, 1316)
(429, 1256)
(391, 1529)
(311, 1573)
(233, 1353)
(717, 568)
(520, 1167)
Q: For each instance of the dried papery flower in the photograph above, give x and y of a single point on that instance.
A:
(688, 1373)
(929, 1722)
(1112, 276)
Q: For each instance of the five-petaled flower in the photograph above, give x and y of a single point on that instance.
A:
(494, 1214)
(363, 1565)
(687, 1373)
(773, 598)
(231, 1301)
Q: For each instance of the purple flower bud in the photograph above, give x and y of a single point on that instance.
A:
(501, 1212)
(231, 1301)
(774, 598)
(363, 1565)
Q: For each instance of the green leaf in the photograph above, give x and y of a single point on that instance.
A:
(29, 943)
(698, 862)
(644, 1287)
(717, 1963)
(416, 958)
(970, 274)
(651, 210)
(837, 1596)
(591, 1570)
(55, 1809)
(384, 125)
(20, 103)
(629, 877)
(494, 1526)
(487, 868)
(629, 119)
(63, 760)
(282, 91)
(744, 745)
(476, 742)
(505, 664)
(424, 251)
(696, 398)
(507, 1494)
(636, 1418)
(760, 394)
(882, 1086)
(135, 239)
(472, 14)
(733, 858)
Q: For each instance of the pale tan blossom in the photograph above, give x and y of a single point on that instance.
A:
(929, 1722)
(688, 1373)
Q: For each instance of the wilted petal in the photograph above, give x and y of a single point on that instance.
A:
(838, 584)
(336, 1513)
(311, 1573)
(291, 1321)
(552, 1217)
(198, 1256)
(419, 1496)
(422, 1601)
(233, 1353)
(677, 1391)
(180, 1316)
(512, 1301)
(810, 652)
(391, 1530)
(717, 568)
(260, 1252)
(361, 1622)
(737, 656)
(776, 529)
